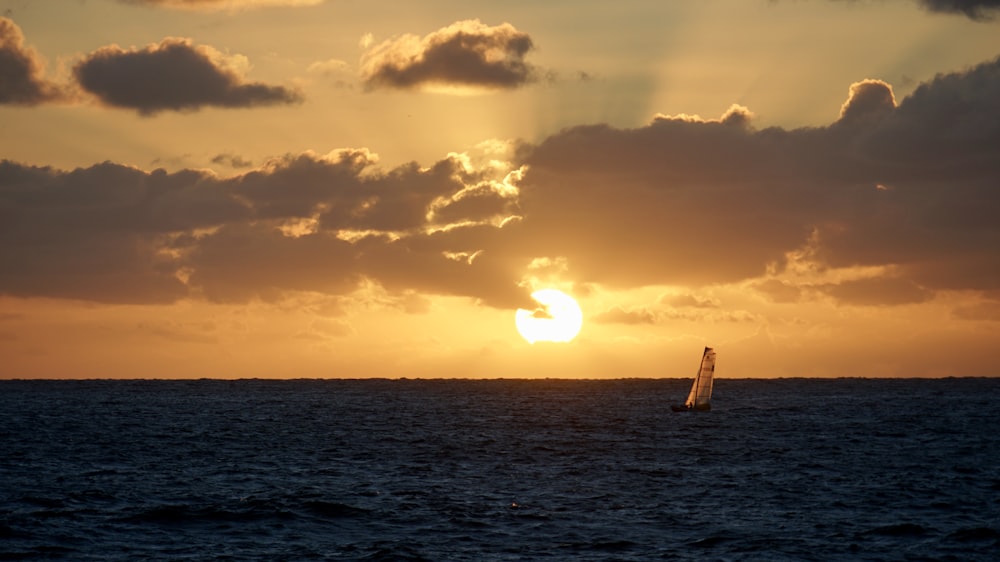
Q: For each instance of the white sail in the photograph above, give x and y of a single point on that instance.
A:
(700, 397)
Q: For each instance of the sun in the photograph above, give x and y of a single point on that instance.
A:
(558, 319)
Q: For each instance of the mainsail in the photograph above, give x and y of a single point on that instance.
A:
(700, 397)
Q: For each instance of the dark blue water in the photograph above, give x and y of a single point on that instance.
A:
(794, 469)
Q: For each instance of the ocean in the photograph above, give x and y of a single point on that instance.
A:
(481, 470)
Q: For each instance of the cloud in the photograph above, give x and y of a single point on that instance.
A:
(477, 203)
(975, 9)
(643, 315)
(675, 202)
(868, 100)
(881, 291)
(219, 4)
(334, 72)
(688, 201)
(231, 160)
(737, 116)
(22, 80)
(174, 75)
(689, 301)
(112, 233)
(778, 291)
(937, 151)
(619, 315)
(464, 54)
(989, 311)
(181, 332)
(978, 10)
(903, 192)
(322, 330)
(101, 233)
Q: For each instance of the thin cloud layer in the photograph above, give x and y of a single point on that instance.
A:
(219, 4)
(174, 75)
(22, 80)
(906, 192)
(880, 291)
(465, 54)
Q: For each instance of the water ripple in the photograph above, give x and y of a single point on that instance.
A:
(791, 469)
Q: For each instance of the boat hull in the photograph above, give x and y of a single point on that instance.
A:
(683, 408)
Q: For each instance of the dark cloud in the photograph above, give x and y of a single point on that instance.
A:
(419, 263)
(244, 261)
(933, 211)
(101, 233)
(466, 53)
(692, 201)
(174, 75)
(22, 80)
(477, 204)
(947, 127)
(975, 9)
(343, 197)
(978, 10)
(113, 233)
(677, 202)
(908, 190)
(232, 160)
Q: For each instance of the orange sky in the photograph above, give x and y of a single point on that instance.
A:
(335, 189)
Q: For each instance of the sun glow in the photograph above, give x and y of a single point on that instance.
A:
(558, 319)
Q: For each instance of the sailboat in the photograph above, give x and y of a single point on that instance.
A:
(700, 397)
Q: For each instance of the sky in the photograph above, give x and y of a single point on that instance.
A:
(310, 188)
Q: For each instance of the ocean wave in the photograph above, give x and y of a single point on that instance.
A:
(499, 470)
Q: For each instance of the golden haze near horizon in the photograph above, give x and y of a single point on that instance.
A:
(228, 188)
